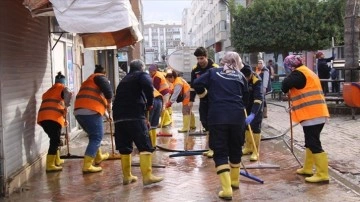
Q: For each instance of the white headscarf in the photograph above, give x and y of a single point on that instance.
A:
(232, 61)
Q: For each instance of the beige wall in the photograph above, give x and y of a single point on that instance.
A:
(136, 51)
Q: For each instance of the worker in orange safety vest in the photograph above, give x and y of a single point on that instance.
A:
(161, 85)
(52, 117)
(308, 107)
(93, 102)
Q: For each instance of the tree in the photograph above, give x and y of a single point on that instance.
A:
(287, 25)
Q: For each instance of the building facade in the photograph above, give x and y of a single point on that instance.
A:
(207, 24)
(161, 39)
(33, 49)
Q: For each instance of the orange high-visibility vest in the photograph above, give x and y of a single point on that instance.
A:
(171, 86)
(309, 102)
(163, 83)
(185, 89)
(90, 96)
(52, 106)
(157, 93)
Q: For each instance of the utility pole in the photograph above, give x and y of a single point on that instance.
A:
(351, 37)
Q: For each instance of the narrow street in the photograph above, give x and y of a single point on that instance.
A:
(187, 178)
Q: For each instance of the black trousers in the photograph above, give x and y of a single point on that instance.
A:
(127, 132)
(312, 138)
(53, 130)
(325, 87)
(226, 140)
(203, 113)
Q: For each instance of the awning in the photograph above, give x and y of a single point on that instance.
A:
(121, 38)
(100, 23)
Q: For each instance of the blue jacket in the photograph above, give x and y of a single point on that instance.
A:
(133, 95)
(227, 94)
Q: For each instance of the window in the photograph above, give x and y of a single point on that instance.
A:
(222, 26)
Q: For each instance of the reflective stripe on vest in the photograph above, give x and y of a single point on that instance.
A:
(90, 96)
(309, 103)
(52, 107)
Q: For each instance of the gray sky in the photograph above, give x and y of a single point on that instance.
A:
(165, 10)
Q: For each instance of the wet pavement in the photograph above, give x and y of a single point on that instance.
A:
(193, 178)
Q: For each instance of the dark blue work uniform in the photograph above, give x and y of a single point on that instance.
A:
(203, 106)
(255, 102)
(227, 97)
(134, 95)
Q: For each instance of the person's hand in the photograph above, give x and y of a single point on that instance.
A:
(168, 104)
(147, 122)
(190, 104)
(250, 118)
(109, 118)
(66, 123)
(149, 108)
(109, 108)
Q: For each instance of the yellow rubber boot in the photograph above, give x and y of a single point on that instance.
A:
(322, 170)
(50, 164)
(58, 160)
(146, 169)
(192, 122)
(126, 169)
(234, 175)
(169, 112)
(167, 119)
(88, 165)
(186, 123)
(209, 153)
(152, 133)
(248, 148)
(223, 172)
(307, 169)
(100, 156)
(254, 156)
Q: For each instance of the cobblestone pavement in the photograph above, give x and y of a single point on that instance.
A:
(193, 178)
(340, 139)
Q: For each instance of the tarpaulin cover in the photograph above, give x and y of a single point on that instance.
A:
(100, 23)
(89, 16)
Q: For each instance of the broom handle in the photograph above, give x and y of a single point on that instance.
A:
(291, 128)
(67, 135)
(111, 137)
(252, 138)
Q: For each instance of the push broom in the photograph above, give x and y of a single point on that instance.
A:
(291, 146)
(187, 152)
(248, 175)
(197, 133)
(113, 155)
(258, 164)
